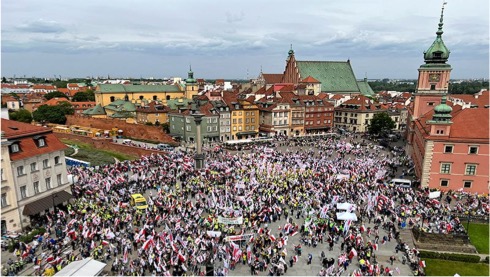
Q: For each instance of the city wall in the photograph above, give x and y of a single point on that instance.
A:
(136, 131)
(107, 144)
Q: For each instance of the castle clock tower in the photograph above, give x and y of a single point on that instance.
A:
(434, 75)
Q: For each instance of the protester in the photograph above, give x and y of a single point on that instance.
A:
(222, 213)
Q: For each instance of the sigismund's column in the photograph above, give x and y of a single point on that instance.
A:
(199, 157)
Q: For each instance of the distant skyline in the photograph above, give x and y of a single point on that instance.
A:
(235, 39)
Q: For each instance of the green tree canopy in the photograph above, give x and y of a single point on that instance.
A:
(21, 115)
(83, 96)
(381, 124)
(66, 107)
(55, 94)
(52, 114)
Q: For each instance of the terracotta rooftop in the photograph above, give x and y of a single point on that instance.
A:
(309, 79)
(272, 78)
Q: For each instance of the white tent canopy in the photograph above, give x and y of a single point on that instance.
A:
(347, 216)
(85, 267)
(346, 206)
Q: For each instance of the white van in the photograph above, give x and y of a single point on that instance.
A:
(404, 183)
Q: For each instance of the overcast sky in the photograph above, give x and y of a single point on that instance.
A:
(235, 39)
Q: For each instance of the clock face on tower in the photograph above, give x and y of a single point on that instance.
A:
(434, 78)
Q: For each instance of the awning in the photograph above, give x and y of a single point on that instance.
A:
(85, 267)
(45, 203)
(246, 133)
(317, 128)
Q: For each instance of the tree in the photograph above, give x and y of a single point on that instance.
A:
(52, 114)
(381, 124)
(166, 127)
(66, 107)
(55, 94)
(83, 96)
(21, 115)
(4, 80)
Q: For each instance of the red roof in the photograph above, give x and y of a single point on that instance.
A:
(309, 79)
(23, 133)
(272, 78)
(479, 99)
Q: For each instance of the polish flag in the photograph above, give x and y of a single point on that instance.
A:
(104, 243)
(422, 263)
(125, 256)
(375, 247)
(272, 238)
(295, 259)
(181, 257)
(352, 253)
(294, 233)
(363, 229)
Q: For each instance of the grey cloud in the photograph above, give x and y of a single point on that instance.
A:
(41, 26)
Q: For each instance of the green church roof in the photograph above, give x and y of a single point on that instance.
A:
(128, 107)
(335, 76)
(111, 88)
(365, 88)
(97, 110)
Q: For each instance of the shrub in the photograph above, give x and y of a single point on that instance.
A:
(450, 256)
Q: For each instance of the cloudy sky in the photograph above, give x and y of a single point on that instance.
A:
(236, 38)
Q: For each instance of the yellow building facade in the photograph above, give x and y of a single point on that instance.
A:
(244, 119)
(137, 94)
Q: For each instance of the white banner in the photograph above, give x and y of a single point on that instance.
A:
(434, 194)
(239, 237)
(213, 234)
(230, 220)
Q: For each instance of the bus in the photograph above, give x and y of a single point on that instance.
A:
(240, 144)
(403, 183)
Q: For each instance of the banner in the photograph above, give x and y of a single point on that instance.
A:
(230, 220)
(213, 234)
(239, 237)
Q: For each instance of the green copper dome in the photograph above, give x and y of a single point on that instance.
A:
(437, 52)
(442, 112)
(190, 77)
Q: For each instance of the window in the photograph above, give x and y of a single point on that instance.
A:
(432, 87)
(188, 128)
(48, 182)
(430, 103)
(239, 128)
(247, 113)
(33, 167)
(467, 184)
(473, 150)
(23, 192)
(41, 142)
(36, 187)
(58, 179)
(188, 120)
(448, 149)
(14, 148)
(444, 183)
(57, 160)
(445, 168)
(45, 163)
(470, 169)
(252, 113)
(234, 120)
(113, 98)
(234, 128)
(20, 170)
(141, 97)
(4, 200)
(155, 97)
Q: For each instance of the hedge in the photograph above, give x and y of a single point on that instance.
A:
(450, 256)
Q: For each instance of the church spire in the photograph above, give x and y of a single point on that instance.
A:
(441, 23)
(438, 53)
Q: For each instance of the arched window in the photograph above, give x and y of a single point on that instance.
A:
(141, 97)
(113, 98)
(155, 97)
(168, 97)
